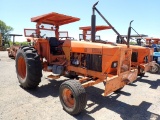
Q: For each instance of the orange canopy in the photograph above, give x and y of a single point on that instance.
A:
(98, 28)
(158, 39)
(54, 19)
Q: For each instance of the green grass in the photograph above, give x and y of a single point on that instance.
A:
(132, 43)
(18, 43)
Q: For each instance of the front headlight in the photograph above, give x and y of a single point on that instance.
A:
(114, 64)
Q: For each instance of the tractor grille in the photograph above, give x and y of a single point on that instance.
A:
(134, 57)
(94, 62)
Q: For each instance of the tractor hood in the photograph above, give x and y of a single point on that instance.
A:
(89, 47)
(132, 46)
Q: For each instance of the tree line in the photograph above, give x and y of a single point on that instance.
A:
(5, 30)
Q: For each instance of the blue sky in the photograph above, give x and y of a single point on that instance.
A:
(119, 13)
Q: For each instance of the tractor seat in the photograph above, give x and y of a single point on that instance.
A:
(53, 41)
(55, 45)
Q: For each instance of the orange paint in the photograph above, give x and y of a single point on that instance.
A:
(22, 67)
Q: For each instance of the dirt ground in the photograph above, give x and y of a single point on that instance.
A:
(137, 101)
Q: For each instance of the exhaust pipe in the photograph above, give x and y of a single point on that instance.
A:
(95, 9)
(93, 23)
(129, 33)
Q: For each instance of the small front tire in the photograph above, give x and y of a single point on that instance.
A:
(73, 97)
(155, 69)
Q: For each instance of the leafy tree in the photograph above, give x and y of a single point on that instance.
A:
(5, 30)
(132, 43)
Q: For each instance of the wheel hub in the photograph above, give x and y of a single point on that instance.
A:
(154, 69)
(21, 67)
(68, 98)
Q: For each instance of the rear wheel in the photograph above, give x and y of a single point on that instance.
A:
(155, 68)
(28, 67)
(73, 97)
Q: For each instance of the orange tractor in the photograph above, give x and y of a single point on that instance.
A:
(154, 44)
(150, 41)
(12, 50)
(141, 56)
(54, 51)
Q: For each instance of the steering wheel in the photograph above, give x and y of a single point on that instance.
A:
(43, 36)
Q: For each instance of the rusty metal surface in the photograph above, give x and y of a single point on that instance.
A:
(116, 82)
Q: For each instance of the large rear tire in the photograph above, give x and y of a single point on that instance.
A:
(73, 97)
(28, 67)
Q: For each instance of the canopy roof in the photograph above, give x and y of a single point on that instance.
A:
(158, 39)
(136, 36)
(54, 19)
(14, 35)
(98, 28)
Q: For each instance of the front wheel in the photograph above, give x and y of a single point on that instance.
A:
(155, 68)
(73, 97)
(141, 72)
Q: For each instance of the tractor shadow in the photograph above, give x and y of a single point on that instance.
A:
(45, 90)
(153, 84)
(96, 101)
(126, 111)
(52, 89)
(138, 79)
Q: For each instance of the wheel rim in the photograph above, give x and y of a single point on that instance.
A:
(154, 69)
(21, 67)
(68, 98)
